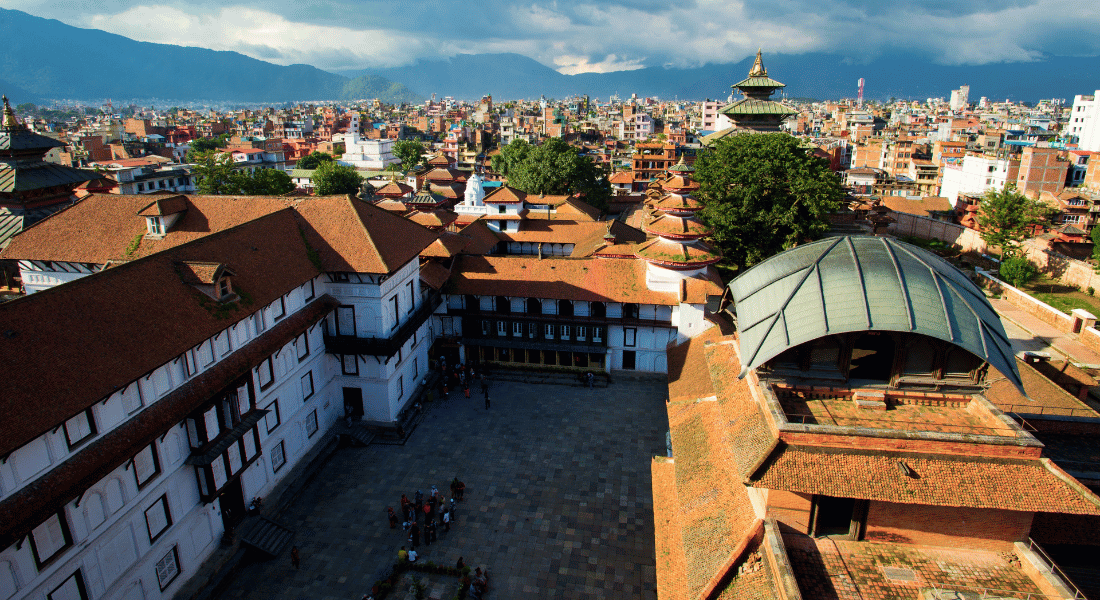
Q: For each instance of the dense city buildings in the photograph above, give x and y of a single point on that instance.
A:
(171, 356)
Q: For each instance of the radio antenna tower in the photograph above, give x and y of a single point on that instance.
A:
(859, 99)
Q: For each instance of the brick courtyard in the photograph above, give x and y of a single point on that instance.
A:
(558, 499)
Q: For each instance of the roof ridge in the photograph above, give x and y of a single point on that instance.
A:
(366, 232)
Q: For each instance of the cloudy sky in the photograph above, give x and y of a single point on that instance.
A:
(577, 36)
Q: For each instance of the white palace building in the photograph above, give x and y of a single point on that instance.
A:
(179, 355)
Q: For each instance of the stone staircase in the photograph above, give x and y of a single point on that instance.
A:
(577, 379)
(267, 536)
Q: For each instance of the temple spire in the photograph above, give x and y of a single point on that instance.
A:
(758, 69)
(10, 122)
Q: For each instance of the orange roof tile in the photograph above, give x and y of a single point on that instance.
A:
(160, 315)
(169, 205)
(591, 279)
(482, 239)
(102, 227)
(448, 245)
(356, 236)
(505, 195)
(1029, 485)
(434, 274)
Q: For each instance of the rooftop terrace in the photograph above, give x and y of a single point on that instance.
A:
(893, 410)
(847, 570)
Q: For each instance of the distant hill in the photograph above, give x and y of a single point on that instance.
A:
(813, 75)
(50, 59)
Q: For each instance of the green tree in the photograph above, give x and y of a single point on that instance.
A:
(555, 167)
(331, 178)
(1017, 271)
(409, 152)
(202, 145)
(764, 193)
(510, 156)
(265, 182)
(314, 159)
(1095, 235)
(214, 172)
(1007, 218)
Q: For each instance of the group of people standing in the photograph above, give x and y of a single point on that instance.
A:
(434, 509)
(461, 376)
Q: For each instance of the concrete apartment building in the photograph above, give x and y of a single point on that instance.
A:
(1084, 121)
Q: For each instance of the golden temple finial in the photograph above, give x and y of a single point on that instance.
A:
(10, 122)
(758, 69)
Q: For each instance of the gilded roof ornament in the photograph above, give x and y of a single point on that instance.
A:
(758, 69)
(10, 122)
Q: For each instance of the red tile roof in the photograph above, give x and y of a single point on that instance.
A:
(352, 235)
(505, 195)
(592, 279)
(169, 205)
(150, 325)
(1029, 485)
(102, 227)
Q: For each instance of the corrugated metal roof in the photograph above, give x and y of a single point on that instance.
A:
(22, 139)
(758, 82)
(846, 284)
(753, 106)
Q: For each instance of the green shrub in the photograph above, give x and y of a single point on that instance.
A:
(1018, 271)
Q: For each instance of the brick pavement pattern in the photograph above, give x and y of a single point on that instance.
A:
(558, 500)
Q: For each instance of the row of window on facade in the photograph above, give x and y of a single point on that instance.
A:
(163, 184)
(50, 539)
(565, 308)
(518, 329)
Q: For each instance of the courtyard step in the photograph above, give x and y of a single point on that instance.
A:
(267, 536)
(544, 377)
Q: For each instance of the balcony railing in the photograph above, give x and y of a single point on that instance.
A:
(388, 346)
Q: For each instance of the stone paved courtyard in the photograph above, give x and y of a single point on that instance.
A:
(558, 500)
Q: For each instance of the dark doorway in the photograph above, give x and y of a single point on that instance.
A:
(599, 310)
(565, 308)
(629, 357)
(833, 516)
(534, 306)
(872, 357)
(231, 499)
(353, 402)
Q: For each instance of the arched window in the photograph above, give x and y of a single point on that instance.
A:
(630, 311)
(565, 308)
(472, 303)
(504, 305)
(534, 306)
(598, 310)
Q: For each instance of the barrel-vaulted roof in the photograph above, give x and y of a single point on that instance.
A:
(845, 284)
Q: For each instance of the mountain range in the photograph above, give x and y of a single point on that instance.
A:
(812, 75)
(47, 59)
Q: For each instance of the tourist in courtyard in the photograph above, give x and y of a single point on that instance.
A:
(402, 555)
(295, 557)
(392, 516)
(414, 535)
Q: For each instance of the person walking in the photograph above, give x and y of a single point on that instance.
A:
(414, 535)
(446, 520)
(393, 517)
(295, 557)
(590, 379)
(486, 389)
(466, 390)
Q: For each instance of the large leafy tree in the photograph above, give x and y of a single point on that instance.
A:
(764, 193)
(215, 174)
(510, 156)
(331, 178)
(1007, 218)
(555, 167)
(408, 152)
(314, 159)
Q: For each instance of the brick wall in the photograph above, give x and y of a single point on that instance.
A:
(790, 509)
(927, 228)
(983, 529)
(1021, 300)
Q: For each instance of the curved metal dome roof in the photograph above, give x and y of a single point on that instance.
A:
(862, 283)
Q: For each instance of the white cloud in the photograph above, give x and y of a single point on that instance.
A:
(577, 36)
(264, 35)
